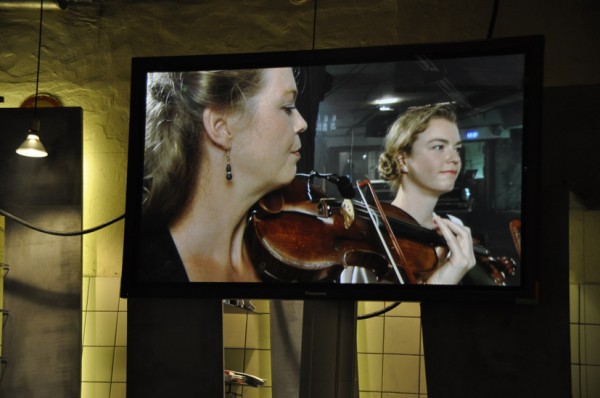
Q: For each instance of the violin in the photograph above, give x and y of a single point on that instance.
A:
(298, 234)
(497, 268)
(292, 238)
(399, 222)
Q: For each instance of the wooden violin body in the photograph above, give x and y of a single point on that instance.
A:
(293, 239)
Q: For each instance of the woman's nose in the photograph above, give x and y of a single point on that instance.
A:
(301, 124)
(454, 157)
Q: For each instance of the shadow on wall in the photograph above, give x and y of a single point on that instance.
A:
(42, 291)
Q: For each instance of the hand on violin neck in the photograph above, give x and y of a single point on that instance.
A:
(460, 258)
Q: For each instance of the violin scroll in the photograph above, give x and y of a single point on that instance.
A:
(500, 268)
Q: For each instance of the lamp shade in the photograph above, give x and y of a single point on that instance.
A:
(32, 146)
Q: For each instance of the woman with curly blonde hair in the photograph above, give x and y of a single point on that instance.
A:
(421, 161)
(216, 142)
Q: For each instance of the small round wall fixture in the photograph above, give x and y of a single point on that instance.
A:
(43, 101)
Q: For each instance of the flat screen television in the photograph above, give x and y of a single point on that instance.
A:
(349, 98)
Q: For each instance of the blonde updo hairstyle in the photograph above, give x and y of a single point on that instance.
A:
(401, 136)
(175, 104)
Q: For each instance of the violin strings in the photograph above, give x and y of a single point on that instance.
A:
(375, 223)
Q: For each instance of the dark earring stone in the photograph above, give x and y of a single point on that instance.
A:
(229, 176)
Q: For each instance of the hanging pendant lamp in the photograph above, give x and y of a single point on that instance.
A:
(32, 146)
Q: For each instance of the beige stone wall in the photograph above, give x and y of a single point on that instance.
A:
(86, 57)
(87, 50)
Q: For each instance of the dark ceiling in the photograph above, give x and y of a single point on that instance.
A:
(474, 85)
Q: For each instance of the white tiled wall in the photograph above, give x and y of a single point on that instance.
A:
(390, 353)
(585, 340)
(386, 342)
(247, 344)
(390, 358)
(104, 318)
(584, 265)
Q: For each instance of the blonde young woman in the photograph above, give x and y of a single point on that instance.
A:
(421, 161)
(216, 142)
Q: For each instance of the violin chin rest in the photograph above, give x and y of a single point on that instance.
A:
(272, 203)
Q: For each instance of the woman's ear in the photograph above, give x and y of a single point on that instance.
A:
(402, 162)
(215, 124)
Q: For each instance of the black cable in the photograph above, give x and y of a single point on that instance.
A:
(314, 25)
(3, 365)
(493, 19)
(59, 233)
(378, 313)
(39, 56)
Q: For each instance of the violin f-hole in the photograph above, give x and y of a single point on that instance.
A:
(370, 260)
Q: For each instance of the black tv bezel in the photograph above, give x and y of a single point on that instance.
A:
(530, 46)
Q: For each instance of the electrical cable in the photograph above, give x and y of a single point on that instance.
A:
(380, 312)
(59, 233)
(39, 56)
(493, 19)
(314, 25)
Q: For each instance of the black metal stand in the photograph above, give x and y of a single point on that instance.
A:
(328, 361)
(174, 348)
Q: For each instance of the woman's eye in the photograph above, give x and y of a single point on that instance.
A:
(289, 108)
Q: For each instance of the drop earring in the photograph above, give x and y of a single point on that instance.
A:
(228, 174)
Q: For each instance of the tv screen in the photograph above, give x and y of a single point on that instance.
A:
(403, 172)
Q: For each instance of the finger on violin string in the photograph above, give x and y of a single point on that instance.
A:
(446, 232)
(443, 224)
(457, 244)
(456, 229)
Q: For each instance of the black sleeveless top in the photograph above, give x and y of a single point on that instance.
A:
(159, 259)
